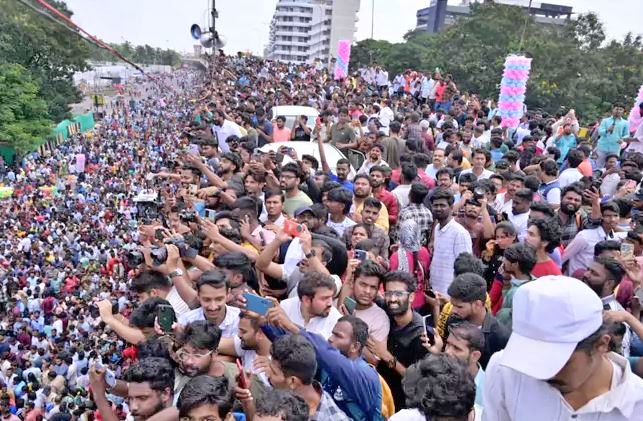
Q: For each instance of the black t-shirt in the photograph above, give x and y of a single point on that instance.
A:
(300, 134)
(405, 344)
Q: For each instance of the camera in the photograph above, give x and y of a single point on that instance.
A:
(188, 216)
(136, 258)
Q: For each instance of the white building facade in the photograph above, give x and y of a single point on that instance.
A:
(304, 30)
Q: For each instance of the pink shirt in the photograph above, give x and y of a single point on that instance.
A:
(425, 261)
(280, 135)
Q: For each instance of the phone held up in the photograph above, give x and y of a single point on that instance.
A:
(428, 328)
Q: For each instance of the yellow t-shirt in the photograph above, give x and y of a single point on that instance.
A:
(382, 219)
(441, 326)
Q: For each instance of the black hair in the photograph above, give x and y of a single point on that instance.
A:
(525, 194)
(369, 268)
(468, 332)
(249, 203)
(341, 195)
(158, 372)
(574, 158)
(360, 329)
(311, 282)
(296, 357)
(201, 334)
(149, 280)
(206, 390)
(143, 316)
(544, 208)
(409, 172)
(401, 276)
(283, 404)
(440, 386)
(574, 187)
(468, 287)
(440, 194)
(236, 262)
(216, 278)
(549, 167)
(372, 202)
(606, 245)
(268, 193)
(418, 193)
(613, 268)
(610, 206)
(313, 161)
(467, 263)
(549, 230)
(522, 254)
(294, 168)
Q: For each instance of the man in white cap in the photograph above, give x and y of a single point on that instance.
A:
(557, 364)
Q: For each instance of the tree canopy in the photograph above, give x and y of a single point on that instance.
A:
(49, 52)
(23, 115)
(572, 65)
(140, 54)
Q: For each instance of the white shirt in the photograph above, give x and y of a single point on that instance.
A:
(501, 206)
(222, 133)
(402, 194)
(449, 242)
(180, 307)
(486, 174)
(415, 415)
(340, 227)
(229, 326)
(321, 325)
(569, 176)
(513, 396)
(247, 359)
(580, 251)
(520, 223)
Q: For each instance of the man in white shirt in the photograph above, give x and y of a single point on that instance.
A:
(571, 174)
(550, 188)
(519, 215)
(155, 284)
(223, 129)
(313, 308)
(212, 289)
(557, 364)
(479, 160)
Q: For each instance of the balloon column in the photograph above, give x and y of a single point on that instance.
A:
(512, 89)
(343, 58)
(635, 114)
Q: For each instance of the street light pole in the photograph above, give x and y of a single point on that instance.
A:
(372, 19)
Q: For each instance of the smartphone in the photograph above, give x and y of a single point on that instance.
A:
(257, 304)
(110, 378)
(194, 149)
(242, 381)
(360, 254)
(429, 292)
(350, 304)
(627, 250)
(211, 214)
(193, 189)
(292, 228)
(166, 317)
(428, 328)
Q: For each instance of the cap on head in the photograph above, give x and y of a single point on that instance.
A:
(551, 315)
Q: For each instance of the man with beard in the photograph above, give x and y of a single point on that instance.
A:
(343, 373)
(579, 253)
(603, 276)
(449, 240)
(289, 180)
(504, 201)
(557, 364)
(362, 189)
(468, 294)
(370, 212)
(378, 186)
(342, 167)
(223, 129)
(150, 385)
(374, 158)
(477, 221)
(404, 345)
(212, 291)
(312, 308)
(315, 218)
(611, 131)
(572, 217)
(198, 355)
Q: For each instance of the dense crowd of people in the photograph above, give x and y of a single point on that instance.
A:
(173, 263)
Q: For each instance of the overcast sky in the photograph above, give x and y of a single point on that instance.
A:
(245, 23)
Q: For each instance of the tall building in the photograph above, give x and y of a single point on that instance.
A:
(440, 15)
(304, 30)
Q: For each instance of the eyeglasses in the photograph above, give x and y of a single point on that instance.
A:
(288, 177)
(396, 294)
(182, 355)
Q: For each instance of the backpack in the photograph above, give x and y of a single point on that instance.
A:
(545, 189)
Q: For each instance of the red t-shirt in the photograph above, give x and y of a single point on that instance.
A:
(546, 268)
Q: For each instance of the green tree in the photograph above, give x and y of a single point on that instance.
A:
(23, 116)
(49, 51)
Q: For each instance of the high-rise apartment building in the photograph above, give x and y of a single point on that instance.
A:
(304, 30)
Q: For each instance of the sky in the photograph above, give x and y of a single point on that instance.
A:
(245, 23)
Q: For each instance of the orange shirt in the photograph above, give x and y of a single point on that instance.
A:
(585, 168)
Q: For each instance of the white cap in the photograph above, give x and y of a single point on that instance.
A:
(551, 315)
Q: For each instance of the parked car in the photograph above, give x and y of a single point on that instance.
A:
(310, 148)
(292, 112)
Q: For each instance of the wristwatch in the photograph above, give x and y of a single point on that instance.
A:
(310, 254)
(392, 362)
(175, 273)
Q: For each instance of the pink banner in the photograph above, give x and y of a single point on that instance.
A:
(80, 162)
(343, 57)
